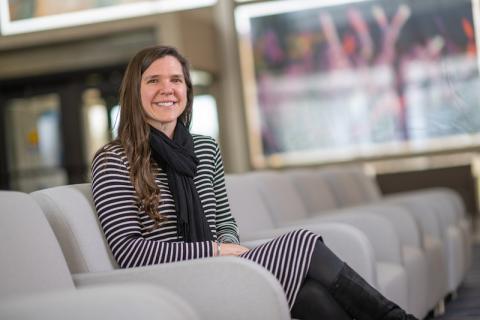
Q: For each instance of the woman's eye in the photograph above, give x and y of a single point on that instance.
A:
(152, 81)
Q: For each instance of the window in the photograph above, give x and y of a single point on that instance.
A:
(205, 117)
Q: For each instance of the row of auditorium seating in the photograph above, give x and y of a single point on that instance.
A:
(414, 248)
(55, 248)
(421, 240)
(247, 291)
(37, 281)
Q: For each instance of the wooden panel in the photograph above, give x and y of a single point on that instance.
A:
(458, 178)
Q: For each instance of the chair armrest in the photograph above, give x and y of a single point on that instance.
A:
(378, 230)
(347, 242)
(352, 246)
(444, 196)
(402, 220)
(217, 288)
(113, 302)
(423, 213)
(267, 236)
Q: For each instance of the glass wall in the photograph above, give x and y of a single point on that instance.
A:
(34, 144)
(205, 116)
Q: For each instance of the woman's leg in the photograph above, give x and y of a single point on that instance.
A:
(314, 302)
(350, 290)
(325, 266)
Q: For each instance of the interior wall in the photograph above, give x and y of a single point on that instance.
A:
(109, 43)
(205, 36)
(87, 53)
(458, 178)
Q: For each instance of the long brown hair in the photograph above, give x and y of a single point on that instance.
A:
(134, 131)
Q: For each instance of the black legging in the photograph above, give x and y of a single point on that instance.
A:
(313, 301)
(332, 290)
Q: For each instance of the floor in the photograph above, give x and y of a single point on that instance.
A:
(466, 306)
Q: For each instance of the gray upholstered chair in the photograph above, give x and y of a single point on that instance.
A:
(217, 288)
(256, 224)
(440, 206)
(277, 209)
(111, 302)
(288, 211)
(36, 283)
(425, 288)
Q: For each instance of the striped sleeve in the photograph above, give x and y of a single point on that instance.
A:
(119, 215)
(227, 229)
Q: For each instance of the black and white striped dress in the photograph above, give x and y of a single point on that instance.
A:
(128, 229)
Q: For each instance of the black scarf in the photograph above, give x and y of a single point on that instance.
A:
(176, 156)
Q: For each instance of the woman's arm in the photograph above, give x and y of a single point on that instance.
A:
(119, 215)
(227, 230)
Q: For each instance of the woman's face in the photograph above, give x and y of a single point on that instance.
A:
(164, 93)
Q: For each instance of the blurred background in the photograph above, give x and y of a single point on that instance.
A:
(390, 86)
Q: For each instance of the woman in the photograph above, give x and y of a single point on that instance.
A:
(160, 197)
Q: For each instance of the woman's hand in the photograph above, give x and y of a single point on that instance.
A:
(230, 249)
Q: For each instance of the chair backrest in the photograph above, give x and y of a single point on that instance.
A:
(71, 213)
(315, 192)
(247, 205)
(367, 184)
(32, 261)
(280, 196)
(344, 186)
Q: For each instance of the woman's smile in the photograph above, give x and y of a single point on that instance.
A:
(165, 103)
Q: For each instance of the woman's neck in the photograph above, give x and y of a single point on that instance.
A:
(166, 128)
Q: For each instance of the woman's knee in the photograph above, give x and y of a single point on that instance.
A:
(324, 265)
(315, 302)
